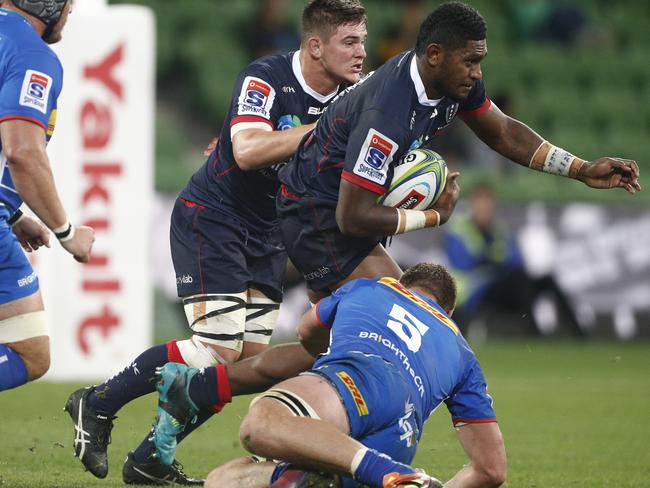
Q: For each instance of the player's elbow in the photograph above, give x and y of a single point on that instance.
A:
(349, 222)
(244, 156)
(21, 155)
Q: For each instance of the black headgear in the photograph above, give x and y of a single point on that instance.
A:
(48, 11)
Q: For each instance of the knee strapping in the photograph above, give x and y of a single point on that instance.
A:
(261, 316)
(218, 319)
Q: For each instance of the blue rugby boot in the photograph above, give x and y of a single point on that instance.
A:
(175, 408)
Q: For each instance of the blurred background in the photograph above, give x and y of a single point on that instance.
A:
(535, 255)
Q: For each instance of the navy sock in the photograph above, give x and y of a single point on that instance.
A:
(13, 372)
(132, 382)
(144, 452)
(375, 465)
(204, 390)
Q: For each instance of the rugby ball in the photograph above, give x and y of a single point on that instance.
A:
(418, 181)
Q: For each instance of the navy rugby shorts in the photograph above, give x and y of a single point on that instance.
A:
(323, 255)
(216, 253)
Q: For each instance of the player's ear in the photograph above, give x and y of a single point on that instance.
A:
(434, 54)
(314, 47)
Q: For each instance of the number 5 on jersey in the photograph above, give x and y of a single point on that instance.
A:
(407, 327)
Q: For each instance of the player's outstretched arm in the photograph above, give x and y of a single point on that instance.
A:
(23, 143)
(313, 335)
(483, 444)
(259, 148)
(359, 214)
(519, 143)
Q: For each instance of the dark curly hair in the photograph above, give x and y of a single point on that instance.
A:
(435, 279)
(452, 24)
(322, 17)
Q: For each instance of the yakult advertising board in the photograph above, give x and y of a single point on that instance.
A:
(100, 313)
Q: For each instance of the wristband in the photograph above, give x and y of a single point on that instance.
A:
(555, 160)
(17, 215)
(65, 232)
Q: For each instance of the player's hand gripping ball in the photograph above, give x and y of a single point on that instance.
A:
(418, 181)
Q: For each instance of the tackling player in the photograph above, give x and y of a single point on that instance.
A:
(30, 84)
(338, 417)
(225, 239)
(331, 222)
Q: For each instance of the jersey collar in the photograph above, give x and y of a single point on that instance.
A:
(419, 85)
(297, 71)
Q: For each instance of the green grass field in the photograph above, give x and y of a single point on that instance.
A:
(573, 415)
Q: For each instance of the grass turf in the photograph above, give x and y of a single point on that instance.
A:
(572, 414)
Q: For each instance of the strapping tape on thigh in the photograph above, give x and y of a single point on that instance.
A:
(218, 319)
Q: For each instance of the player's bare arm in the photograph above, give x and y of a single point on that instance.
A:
(359, 214)
(259, 148)
(30, 233)
(483, 444)
(313, 335)
(23, 143)
(518, 142)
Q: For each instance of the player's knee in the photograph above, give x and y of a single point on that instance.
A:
(218, 321)
(256, 430)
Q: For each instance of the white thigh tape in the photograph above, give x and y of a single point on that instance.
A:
(197, 355)
(295, 404)
(261, 317)
(218, 319)
(25, 326)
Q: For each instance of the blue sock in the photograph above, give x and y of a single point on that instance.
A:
(144, 452)
(375, 465)
(13, 372)
(132, 382)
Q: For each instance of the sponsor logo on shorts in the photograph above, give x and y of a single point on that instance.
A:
(375, 156)
(319, 273)
(399, 355)
(407, 425)
(35, 90)
(26, 280)
(256, 97)
(184, 280)
(359, 401)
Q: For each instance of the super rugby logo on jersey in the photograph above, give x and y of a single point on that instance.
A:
(375, 156)
(35, 90)
(256, 97)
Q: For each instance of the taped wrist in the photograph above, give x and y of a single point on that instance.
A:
(409, 220)
(65, 232)
(555, 160)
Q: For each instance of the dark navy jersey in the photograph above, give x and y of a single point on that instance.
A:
(368, 128)
(30, 83)
(414, 333)
(270, 94)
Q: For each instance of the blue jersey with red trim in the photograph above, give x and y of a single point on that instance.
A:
(383, 318)
(271, 94)
(366, 129)
(30, 83)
